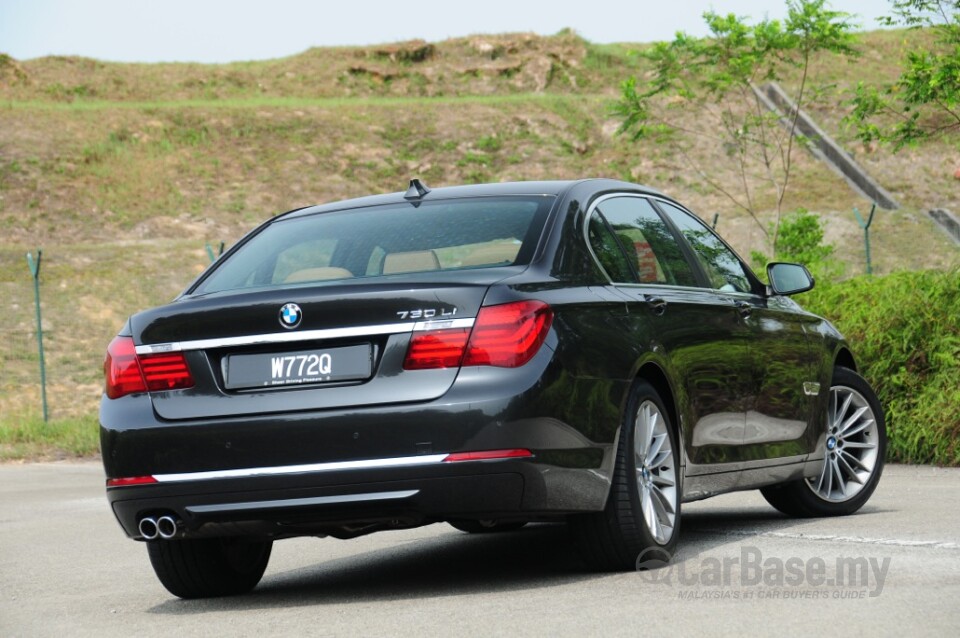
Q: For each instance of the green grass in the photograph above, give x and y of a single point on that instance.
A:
(29, 437)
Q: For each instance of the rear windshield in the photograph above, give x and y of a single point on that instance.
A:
(381, 241)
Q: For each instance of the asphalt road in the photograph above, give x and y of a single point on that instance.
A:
(67, 570)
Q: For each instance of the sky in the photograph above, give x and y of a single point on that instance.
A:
(227, 31)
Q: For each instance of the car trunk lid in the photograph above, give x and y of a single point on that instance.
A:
(346, 347)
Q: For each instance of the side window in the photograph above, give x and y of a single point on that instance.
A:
(648, 242)
(723, 268)
(608, 251)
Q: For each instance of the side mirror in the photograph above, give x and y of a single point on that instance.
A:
(789, 279)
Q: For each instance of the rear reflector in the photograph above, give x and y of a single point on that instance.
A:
(505, 336)
(130, 480)
(487, 455)
(126, 373)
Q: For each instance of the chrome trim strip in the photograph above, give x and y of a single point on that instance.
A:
(306, 335)
(366, 464)
(443, 324)
(301, 502)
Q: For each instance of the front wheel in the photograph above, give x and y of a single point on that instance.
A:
(855, 446)
(642, 516)
(208, 567)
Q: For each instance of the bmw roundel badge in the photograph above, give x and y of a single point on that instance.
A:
(290, 315)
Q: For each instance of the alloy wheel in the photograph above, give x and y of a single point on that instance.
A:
(656, 472)
(852, 444)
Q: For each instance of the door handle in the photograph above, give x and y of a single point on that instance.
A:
(744, 308)
(657, 304)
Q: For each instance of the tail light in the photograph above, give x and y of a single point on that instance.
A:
(505, 336)
(436, 349)
(166, 371)
(126, 372)
(121, 369)
(509, 335)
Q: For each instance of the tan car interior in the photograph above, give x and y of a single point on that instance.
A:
(317, 274)
(413, 261)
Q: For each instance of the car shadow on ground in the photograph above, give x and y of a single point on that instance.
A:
(708, 528)
(449, 564)
(454, 563)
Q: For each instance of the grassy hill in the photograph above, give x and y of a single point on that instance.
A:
(123, 172)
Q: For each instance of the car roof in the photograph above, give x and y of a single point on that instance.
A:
(554, 187)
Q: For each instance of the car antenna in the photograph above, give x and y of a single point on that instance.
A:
(417, 191)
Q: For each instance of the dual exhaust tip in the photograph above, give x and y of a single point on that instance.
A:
(164, 527)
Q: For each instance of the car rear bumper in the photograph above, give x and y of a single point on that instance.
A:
(381, 494)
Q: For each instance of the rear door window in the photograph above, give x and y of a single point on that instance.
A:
(607, 249)
(650, 247)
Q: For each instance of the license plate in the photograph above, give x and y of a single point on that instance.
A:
(326, 365)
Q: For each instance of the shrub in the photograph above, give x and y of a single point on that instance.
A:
(905, 335)
(800, 240)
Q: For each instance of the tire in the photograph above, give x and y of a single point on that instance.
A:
(856, 446)
(641, 520)
(209, 567)
(486, 526)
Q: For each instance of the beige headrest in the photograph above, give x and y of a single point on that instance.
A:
(415, 261)
(491, 254)
(318, 274)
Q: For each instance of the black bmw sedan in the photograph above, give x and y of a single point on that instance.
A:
(486, 356)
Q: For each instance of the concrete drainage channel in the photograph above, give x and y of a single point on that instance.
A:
(948, 221)
(823, 146)
(772, 96)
